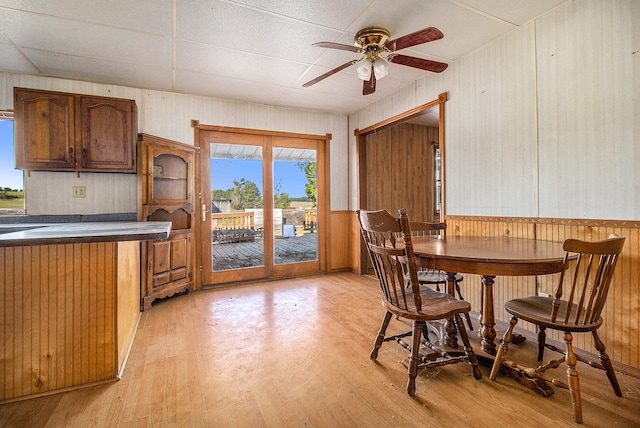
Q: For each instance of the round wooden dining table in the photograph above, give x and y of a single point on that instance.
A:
(488, 257)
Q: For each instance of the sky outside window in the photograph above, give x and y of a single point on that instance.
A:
(291, 178)
(9, 176)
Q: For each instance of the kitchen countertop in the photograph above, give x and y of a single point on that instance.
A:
(12, 235)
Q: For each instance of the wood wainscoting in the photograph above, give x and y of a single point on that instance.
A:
(621, 329)
(339, 245)
(69, 312)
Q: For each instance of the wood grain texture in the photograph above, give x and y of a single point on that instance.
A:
(299, 356)
(59, 315)
(621, 328)
(339, 241)
(400, 170)
(128, 298)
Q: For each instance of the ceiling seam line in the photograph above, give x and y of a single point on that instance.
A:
(174, 31)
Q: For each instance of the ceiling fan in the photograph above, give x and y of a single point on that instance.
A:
(377, 51)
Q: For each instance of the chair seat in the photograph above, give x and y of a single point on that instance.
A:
(435, 277)
(537, 310)
(435, 306)
(587, 270)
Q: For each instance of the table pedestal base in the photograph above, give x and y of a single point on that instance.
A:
(538, 386)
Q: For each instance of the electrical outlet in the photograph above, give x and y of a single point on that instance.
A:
(79, 192)
(542, 294)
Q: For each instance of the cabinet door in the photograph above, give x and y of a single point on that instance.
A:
(159, 263)
(44, 130)
(179, 257)
(108, 134)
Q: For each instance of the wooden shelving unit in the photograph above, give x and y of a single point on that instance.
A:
(166, 188)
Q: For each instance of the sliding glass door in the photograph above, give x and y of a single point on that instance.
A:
(294, 227)
(262, 219)
(237, 221)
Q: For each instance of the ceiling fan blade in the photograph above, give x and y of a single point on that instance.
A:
(332, 45)
(424, 64)
(422, 36)
(329, 73)
(369, 86)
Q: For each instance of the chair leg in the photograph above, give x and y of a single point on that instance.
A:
(501, 355)
(466, 315)
(380, 337)
(468, 350)
(428, 328)
(542, 339)
(606, 363)
(572, 378)
(414, 358)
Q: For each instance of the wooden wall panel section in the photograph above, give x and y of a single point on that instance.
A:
(400, 170)
(57, 316)
(128, 297)
(338, 251)
(356, 251)
(621, 328)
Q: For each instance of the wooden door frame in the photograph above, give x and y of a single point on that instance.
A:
(361, 155)
(204, 252)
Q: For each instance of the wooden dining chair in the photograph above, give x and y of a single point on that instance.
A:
(576, 307)
(435, 277)
(391, 256)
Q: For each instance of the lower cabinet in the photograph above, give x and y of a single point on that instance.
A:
(168, 267)
(70, 312)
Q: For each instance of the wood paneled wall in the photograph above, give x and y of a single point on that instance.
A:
(621, 329)
(400, 170)
(127, 298)
(58, 310)
(338, 249)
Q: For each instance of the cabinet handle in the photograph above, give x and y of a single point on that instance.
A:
(72, 156)
(84, 153)
(204, 212)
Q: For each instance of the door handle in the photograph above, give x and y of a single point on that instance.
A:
(204, 212)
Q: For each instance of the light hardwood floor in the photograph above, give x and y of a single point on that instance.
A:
(295, 353)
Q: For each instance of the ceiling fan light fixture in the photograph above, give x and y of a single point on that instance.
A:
(380, 68)
(364, 70)
(377, 51)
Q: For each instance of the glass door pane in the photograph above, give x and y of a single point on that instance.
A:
(295, 228)
(237, 226)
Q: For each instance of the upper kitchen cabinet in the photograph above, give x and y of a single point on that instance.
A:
(56, 131)
(109, 134)
(44, 129)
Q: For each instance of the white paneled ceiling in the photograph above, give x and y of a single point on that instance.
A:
(253, 50)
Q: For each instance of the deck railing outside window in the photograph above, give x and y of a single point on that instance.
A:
(230, 221)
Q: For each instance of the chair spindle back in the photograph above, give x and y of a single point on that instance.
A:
(388, 241)
(588, 279)
(429, 229)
